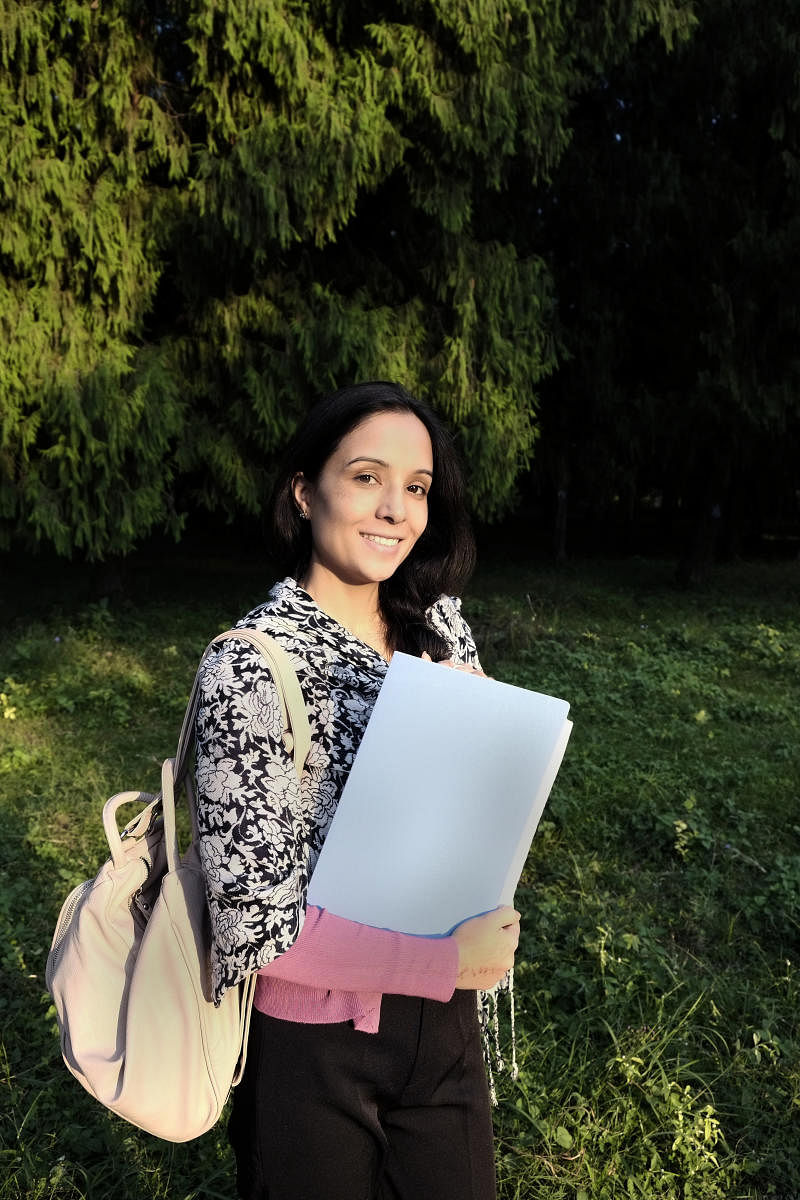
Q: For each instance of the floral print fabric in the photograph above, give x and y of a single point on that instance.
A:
(261, 830)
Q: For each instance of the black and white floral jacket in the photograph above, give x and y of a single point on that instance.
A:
(261, 830)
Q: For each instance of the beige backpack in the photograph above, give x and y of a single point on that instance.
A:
(128, 966)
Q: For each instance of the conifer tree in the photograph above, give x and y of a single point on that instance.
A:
(211, 212)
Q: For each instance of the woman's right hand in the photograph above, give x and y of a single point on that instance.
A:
(486, 947)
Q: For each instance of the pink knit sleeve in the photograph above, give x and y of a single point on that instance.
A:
(332, 952)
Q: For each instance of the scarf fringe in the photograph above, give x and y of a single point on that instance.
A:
(488, 1009)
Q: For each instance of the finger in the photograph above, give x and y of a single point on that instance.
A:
(511, 931)
(508, 914)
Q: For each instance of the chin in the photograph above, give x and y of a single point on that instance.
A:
(376, 575)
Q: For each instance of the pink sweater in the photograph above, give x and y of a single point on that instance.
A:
(337, 970)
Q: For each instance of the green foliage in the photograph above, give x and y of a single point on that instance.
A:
(660, 925)
(657, 985)
(212, 212)
(83, 464)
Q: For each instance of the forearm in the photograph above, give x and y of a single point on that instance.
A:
(332, 952)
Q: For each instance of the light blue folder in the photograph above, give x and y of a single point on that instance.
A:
(446, 791)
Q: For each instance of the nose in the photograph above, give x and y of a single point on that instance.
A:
(391, 506)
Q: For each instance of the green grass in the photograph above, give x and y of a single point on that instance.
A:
(658, 978)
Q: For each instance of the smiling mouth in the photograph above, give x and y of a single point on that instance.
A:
(380, 541)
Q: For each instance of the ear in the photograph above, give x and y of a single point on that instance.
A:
(303, 492)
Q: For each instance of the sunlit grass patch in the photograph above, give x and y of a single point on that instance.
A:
(658, 977)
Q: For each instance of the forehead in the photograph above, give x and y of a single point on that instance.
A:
(397, 438)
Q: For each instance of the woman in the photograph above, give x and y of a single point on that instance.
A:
(365, 1074)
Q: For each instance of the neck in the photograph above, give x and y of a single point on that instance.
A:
(355, 606)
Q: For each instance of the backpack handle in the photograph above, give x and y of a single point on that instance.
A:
(136, 827)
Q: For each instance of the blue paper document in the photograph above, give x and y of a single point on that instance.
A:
(439, 810)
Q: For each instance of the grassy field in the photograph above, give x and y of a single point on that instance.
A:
(658, 976)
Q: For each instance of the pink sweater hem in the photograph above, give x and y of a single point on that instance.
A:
(337, 970)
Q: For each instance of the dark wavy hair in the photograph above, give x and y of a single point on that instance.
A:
(444, 556)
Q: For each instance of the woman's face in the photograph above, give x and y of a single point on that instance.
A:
(369, 504)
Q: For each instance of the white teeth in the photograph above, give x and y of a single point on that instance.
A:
(380, 541)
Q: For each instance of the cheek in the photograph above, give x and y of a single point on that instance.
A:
(336, 508)
(418, 526)
(338, 522)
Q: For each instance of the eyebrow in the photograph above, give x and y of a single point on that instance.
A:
(379, 462)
